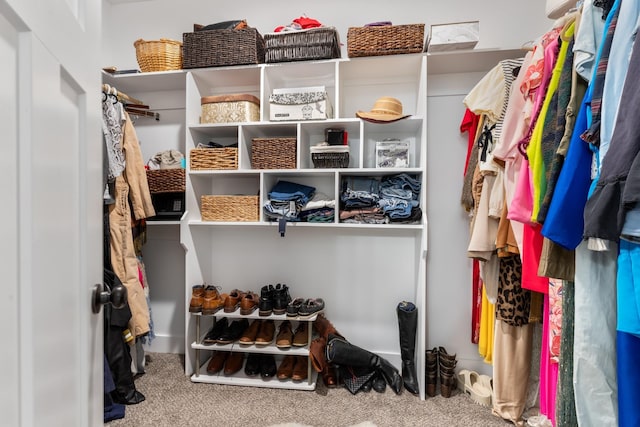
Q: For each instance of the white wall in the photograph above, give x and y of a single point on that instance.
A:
(504, 24)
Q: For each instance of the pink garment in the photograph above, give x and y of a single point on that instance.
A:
(531, 250)
(548, 371)
(521, 204)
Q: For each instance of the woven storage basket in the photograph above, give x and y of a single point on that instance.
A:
(330, 160)
(385, 40)
(166, 180)
(229, 208)
(273, 153)
(216, 48)
(213, 158)
(158, 55)
(314, 43)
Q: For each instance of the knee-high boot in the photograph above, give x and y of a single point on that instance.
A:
(341, 352)
(407, 325)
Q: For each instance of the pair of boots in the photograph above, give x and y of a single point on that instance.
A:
(332, 348)
(439, 361)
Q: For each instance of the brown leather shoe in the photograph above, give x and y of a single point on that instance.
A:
(285, 335)
(232, 302)
(329, 376)
(233, 363)
(212, 301)
(249, 303)
(301, 337)
(286, 367)
(266, 333)
(217, 362)
(299, 369)
(197, 296)
(249, 335)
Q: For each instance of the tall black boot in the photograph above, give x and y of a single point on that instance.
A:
(407, 324)
(341, 352)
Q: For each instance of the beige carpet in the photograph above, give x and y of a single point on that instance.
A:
(173, 400)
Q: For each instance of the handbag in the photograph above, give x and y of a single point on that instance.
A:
(555, 9)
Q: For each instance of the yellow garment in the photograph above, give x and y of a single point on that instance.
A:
(487, 324)
(534, 150)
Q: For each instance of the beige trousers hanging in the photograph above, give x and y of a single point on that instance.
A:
(511, 369)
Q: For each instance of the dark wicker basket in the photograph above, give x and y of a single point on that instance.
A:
(217, 48)
(330, 160)
(314, 43)
(166, 180)
(385, 40)
(273, 153)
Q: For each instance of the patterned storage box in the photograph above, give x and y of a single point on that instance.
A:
(273, 153)
(230, 108)
(217, 48)
(306, 103)
(304, 45)
(213, 158)
(230, 208)
(385, 40)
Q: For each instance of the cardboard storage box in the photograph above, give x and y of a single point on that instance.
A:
(454, 36)
(307, 103)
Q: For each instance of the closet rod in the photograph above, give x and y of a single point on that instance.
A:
(121, 95)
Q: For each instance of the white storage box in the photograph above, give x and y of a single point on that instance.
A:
(309, 103)
(454, 36)
(392, 153)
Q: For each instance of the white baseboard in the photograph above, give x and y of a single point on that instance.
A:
(165, 344)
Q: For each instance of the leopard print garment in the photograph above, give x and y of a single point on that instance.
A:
(513, 302)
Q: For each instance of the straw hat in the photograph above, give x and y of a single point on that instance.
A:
(385, 110)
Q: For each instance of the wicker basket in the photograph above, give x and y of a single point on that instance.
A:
(166, 180)
(158, 55)
(213, 158)
(230, 208)
(385, 40)
(216, 48)
(330, 160)
(273, 153)
(314, 43)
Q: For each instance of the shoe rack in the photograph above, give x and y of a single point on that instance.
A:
(240, 378)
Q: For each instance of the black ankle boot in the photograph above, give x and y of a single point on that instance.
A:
(407, 324)
(341, 352)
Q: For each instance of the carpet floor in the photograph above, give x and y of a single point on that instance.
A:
(173, 400)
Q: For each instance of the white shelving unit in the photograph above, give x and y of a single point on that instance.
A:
(333, 260)
(362, 271)
(240, 378)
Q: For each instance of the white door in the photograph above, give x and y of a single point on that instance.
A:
(51, 357)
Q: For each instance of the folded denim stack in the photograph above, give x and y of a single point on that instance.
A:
(286, 200)
(375, 200)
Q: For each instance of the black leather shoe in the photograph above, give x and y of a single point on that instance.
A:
(265, 306)
(379, 384)
(366, 387)
(268, 366)
(233, 332)
(252, 367)
(215, 332)
(281, 298)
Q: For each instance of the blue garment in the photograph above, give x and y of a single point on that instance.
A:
(286, 190)
(628, 288)
(628, 348)
(565, 220)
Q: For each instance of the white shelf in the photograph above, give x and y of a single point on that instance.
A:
(255, 315)
(264, 349)
(239, 378)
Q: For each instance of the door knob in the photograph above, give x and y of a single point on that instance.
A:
(117, 297)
